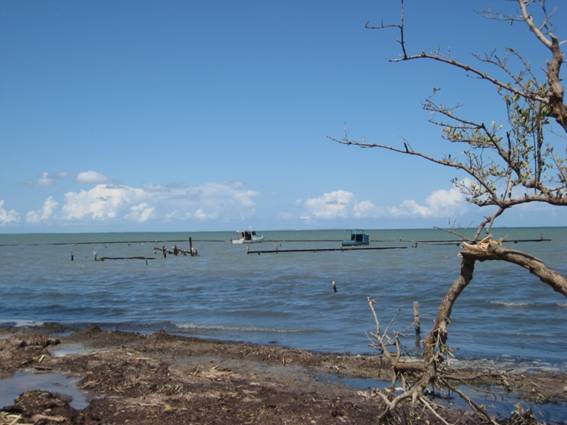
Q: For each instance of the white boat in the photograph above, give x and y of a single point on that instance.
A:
(248, 236)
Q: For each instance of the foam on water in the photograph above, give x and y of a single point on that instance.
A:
(221, 328)
(20, 323)
(510, 304)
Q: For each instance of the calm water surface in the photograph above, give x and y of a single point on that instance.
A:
(287, 298)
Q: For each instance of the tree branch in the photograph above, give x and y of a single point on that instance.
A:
(493, 250)
(529, 20)
(408, 150)
(480, 74)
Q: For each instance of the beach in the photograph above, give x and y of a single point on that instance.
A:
(96, 376)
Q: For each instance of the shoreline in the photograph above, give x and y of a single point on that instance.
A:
(166, 376)
(466, 360)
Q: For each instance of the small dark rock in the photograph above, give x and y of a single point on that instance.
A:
(43, 407)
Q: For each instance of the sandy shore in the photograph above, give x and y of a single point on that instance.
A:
(163, 379)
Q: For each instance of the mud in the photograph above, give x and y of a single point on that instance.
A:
(20, 351)
(165, 379)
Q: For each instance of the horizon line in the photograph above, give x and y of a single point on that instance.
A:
(276, 230)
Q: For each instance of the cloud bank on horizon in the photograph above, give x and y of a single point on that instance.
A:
(219, 205)
(209, 201)
(343, 204)
(222, 202)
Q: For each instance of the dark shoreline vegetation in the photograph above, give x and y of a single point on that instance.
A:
(161, 378)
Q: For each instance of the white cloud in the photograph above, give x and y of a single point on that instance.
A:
(341, 204)
(440, 203)
(366, 209)
(44, 214)
(102, 202)
(46, 179)
(335, 205)
(174, 202)
(330, 205)
(200, 215)
(208, 201)
(140, 213)
(8, 216)
(409, 208)
(91, 177)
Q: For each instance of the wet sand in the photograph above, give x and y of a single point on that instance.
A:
(92, 376)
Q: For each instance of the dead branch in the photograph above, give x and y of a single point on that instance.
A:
(529, 20)
(476, 407)
(437, 415)
(490, 250)
(452, 232)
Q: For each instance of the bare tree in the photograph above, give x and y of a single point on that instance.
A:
(507, 164)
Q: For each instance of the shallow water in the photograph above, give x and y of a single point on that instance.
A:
(63, 350)
(502, 404)
(506, 313)
(20, 382)
(496, 401)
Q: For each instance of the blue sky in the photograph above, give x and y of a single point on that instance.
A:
(172, 115)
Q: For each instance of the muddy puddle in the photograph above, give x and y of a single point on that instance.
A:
(20, 382)
(497, 402)
(502, 404)
(360, 384)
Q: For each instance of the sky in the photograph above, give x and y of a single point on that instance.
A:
(146, 115)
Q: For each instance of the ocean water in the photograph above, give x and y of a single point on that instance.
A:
(287, 298)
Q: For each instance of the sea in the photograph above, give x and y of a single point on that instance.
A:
(228, 292)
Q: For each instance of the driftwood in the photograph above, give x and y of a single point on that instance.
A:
(124, 258)
(185, 252)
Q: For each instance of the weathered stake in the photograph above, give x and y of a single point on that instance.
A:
(416, 323)
(192, 251)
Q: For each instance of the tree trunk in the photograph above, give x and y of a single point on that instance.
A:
(438, 335)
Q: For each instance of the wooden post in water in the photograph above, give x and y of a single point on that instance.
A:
(192, 251)
(416, 323)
